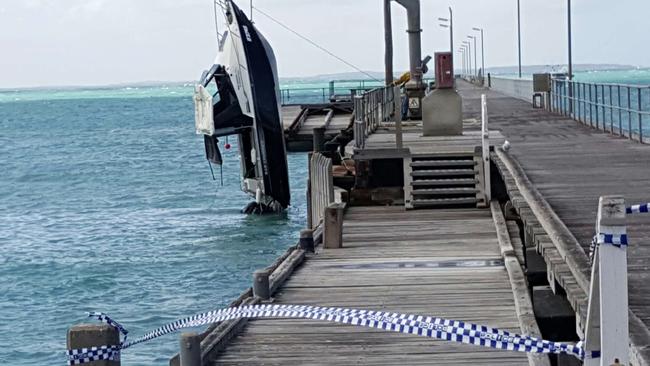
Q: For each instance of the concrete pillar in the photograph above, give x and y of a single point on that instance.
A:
(442, 111)
(94, 335)
(261, 285)
(190, 345)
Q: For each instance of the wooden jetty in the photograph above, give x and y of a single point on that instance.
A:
(528, 241)
(443, 262)
(560, 167)
(453, 227)
(456, 257)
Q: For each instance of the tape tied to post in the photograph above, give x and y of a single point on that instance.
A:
(425, 326)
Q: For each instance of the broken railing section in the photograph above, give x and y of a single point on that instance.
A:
(321, 188)
(325, 205)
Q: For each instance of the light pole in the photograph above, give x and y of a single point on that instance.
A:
(468, 46)
(571, 59)
(519, 33)
(475, 55)
(482, 49)
(462, 55)
(570, 41)
(464, 48)
(449, 23)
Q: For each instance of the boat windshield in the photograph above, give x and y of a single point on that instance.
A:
(228, 116)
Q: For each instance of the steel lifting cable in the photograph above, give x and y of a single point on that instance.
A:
(313, 43)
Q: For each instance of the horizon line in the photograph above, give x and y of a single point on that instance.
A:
(145, 83)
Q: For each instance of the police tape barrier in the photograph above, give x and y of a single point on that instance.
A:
(437, 328)
(634, 209)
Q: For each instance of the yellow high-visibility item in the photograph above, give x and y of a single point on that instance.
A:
(403, 79)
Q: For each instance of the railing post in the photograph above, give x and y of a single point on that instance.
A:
(597, 101)
(591, 104)
(606, 332)
(638, 91)
(485, 142)
(190, 345)
(584, 104)
(333, 226)
(358, 122)
(602, 92)
(397, 112)
(629, 113)
(310, 216)
(94, 335)
(620, 112)
(611, 110)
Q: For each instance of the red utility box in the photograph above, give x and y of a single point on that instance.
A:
(444, 70)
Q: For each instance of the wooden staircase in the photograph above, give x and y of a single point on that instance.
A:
(443, 181)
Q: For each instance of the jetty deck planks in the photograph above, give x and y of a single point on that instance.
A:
(571, 165)
(442, 263)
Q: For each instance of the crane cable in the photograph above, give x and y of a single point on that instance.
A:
(313, 43)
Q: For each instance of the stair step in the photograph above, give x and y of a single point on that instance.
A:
(435, 163)
(443, 182)
(442, 172)
(454, 190)
(443, 202)
(454, 155)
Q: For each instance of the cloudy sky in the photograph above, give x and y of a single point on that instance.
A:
(95, 42)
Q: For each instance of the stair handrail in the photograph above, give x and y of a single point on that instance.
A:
(372, 109)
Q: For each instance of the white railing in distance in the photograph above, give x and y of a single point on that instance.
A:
(485, 144)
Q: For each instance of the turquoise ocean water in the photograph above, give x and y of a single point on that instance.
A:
(107, 204)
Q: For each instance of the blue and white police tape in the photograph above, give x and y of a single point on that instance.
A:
(430, 327)
(634, 209)
(423, 326)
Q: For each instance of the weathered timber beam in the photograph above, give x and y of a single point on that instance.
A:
(566, 244)
(523, 303)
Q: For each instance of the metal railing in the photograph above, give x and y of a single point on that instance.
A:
(321, 186)
(373, 108)
(620, 109)
(336, 89)
(316, 95)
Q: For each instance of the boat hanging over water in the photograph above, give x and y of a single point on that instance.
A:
(239, 95)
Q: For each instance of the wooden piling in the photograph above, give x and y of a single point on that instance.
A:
(307, 240)
(190, 346)
(333, 232)
(94, 335)
(319, 139)
(261, 286)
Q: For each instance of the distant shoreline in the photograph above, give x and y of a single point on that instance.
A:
(497, 70)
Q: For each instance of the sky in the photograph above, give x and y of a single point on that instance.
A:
(98, 42)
